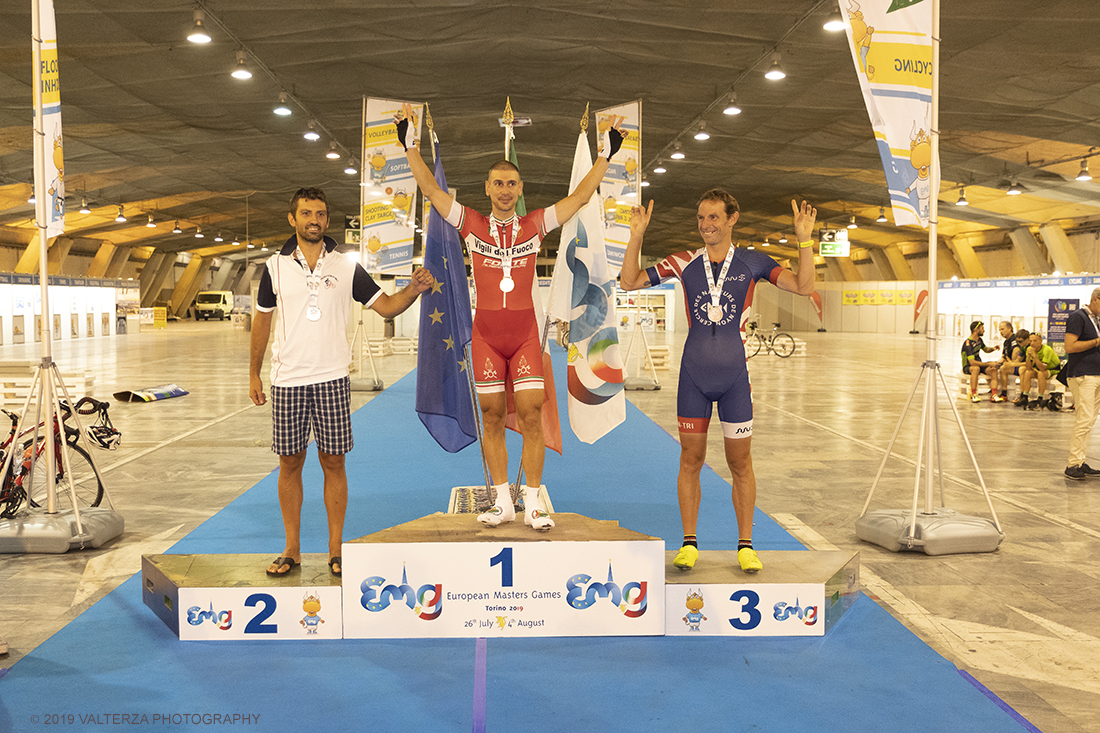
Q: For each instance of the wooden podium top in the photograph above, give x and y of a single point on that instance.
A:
(442, 527)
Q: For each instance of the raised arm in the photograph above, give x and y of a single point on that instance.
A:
(440, 199)
(803, 282)
(632, 276)
(389, 306)
(571, 204)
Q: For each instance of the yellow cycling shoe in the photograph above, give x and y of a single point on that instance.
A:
(750, 563)
(686, 557)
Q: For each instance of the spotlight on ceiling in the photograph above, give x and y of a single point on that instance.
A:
(199, 234)
(962, 198)
(351, 169)
(677, 154)
(198, 32)
(282, 108)
(1013, 190)
(702, 134)
(176, 229)
(1084, 174)
(332, 153)
(32, 199)
(834, 22)
(120, 218)
(311, 134)
(767, 243)
(151, 224)
(732, 108)
(236, 242)
(644, 181)
(240, 71)
(775, 71)
(660, 167)
(84, 207)
(219, 238)
(881, 215)
(852, 222)
(782, 238)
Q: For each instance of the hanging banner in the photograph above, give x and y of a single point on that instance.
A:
(49, 166)
(891, 44)
(622, 184)
(388, 193)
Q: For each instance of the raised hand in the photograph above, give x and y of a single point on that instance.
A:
(804, 218)
(639, 218)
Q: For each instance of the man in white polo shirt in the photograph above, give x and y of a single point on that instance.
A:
(312, 286)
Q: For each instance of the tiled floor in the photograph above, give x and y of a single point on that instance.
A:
(1024, 620)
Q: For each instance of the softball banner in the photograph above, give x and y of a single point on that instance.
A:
(49, 166)
(891, 43)
(622, 184)
(582, 294)
(388, 193)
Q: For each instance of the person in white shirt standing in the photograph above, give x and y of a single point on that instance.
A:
(312, 287)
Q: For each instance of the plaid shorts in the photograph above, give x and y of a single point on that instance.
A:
(324, 407)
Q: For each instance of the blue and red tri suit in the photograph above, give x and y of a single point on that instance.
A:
(713, 367)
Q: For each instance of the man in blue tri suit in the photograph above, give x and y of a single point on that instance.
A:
(718, 282)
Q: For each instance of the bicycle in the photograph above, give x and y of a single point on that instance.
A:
(781, 343)
(25, 481)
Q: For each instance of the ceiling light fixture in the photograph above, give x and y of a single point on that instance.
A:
(660, 167)
(783, 239)
(332, 153)
(702, 134)
(120, 218)
(732, 108)
(32, 199)
(852, 222)
(1084, 174)
(775, 71)
(351, 169)
(644, 181)
(198, 32)
(1013, 190)
(151, 224)
(767, 243)
(176, 229)
(84, 207)
(236, 242)
(311, 134)
(199, 234)
(240, 71)
(282, 108)
(962, 198)
(834, 22)
(219, 238)
(881, 215)
(677, 154)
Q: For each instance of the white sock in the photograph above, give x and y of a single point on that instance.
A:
(504, 495)
(531, 498)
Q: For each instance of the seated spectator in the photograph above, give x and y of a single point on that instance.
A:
(1015, 363)
(972, 349)
(1041, 364)
(1007, 350)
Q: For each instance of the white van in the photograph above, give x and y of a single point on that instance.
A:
(213, 304)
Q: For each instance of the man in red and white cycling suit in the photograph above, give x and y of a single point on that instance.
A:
(506, 338)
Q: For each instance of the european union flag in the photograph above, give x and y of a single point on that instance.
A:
(443, 397)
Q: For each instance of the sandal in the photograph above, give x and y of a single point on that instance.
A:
(279, 562)
(336, 561)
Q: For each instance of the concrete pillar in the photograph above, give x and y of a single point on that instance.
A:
(158, 275)
(221, 277)
(836, 274)
(243, 283)
(28, 261)
(898, 263)
(57, 250)
(851, 272)
(1062, 253)
(102, 259)
(118, 262)
(968, 260)
(1027, 249)
(189, 284)
(58, 253)
(946, 265)
(882, 262)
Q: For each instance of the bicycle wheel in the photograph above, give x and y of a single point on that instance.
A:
(783, 345)
(752, 345)
(74, 461)
(11, 498)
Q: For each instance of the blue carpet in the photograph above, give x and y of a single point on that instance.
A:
(869, 673)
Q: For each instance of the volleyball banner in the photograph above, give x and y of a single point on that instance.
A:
(49, 166)
(622, 184)
(891, 44)
(388, 193)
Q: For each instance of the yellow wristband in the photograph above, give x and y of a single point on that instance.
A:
(807, 243)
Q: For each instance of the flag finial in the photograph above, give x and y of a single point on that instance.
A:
(584, 120)
(509, 117)
(428, 118)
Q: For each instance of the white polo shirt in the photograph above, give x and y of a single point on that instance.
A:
(305, 351)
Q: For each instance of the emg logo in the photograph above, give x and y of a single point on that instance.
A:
(222, 619)
(782, 612)
(426, 601)
(631, 599)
